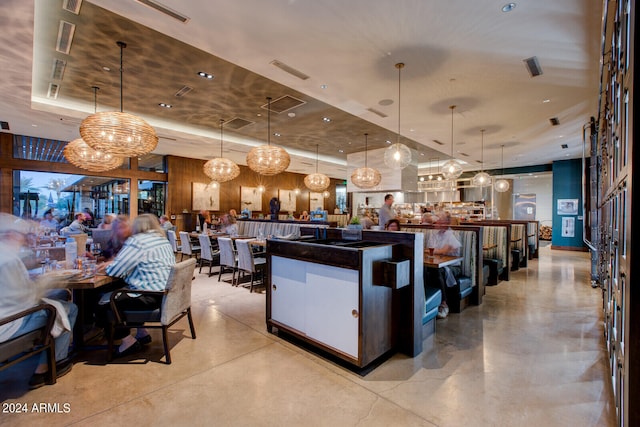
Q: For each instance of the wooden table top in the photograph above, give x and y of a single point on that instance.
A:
(438, 261)
(91, 283)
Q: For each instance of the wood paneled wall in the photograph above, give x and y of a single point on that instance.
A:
(182, 172)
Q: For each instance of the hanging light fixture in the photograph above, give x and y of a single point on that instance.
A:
(451, 169)
(119, 133)
(221, 169)
(78, 153)
(398, 155)
(502, 184)
(317, 181)
(481, 179)
(268, 159)
(366, 177)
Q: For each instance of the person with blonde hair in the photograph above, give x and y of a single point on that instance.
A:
(144, 263)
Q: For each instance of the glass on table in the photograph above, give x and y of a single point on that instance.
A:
(431, 251)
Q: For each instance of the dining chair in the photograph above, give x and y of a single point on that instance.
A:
(176, 304)
(186, 246)
(173, 240)
(248, 263)
(17, 349)
(208, 254)
(228, 257)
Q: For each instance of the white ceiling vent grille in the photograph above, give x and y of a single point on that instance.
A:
(65, 37)
(284, 103)
(377, 112)
(72, 6)
(288, 69)
(183, 91)
(237, 123)
(164, 9)
(53, 91)
(57, 71)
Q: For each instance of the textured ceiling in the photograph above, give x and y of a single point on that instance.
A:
(457, 52)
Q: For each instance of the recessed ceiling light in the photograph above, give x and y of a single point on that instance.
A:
(205, 75)
(388, 142)
(340, 151)
(545, 101)
(323, 86)
(163, 105)
(422, 179)
(276, 134)
(291, 114)
(106, 68)
(326, 119)
(34, 125)
(508, 7)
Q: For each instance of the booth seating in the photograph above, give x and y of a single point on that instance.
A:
(496, 257)
(519, 246)
(432, 300)
(470, 284)
(532, 238)
(288, 229)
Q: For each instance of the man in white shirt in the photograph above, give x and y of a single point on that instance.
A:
(386, 212)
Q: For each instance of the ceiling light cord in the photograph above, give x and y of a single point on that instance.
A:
(95, 98)
(317, 158)
(221, 140)
(366, 136)
(453, 107)
(122, 46)
(400, 66)
(268, 120)
(482, 150)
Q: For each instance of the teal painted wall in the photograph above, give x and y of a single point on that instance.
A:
(567, 188)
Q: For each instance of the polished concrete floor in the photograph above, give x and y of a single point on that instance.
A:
(531, 355)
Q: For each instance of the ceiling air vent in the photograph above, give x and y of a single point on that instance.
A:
(65, 37)
(237, 123)
(57, 71)
(284, 67)
(284, 103)
(438, 142)
(533, 66)
(164, 9)
(376, 112)
(554, 121)
(72, 6)
(183, 91)
(4, 125)
(564, 146)
(53, 91)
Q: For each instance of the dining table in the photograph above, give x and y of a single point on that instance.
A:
(438, 261)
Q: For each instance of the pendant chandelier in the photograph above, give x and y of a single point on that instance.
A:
(268, 159)
(398, 155)
(481, 179)
(502, 184)
(451, 169)
(221, 169)
(119, 133)
(317, 181)
(78, 153)
(366, 177)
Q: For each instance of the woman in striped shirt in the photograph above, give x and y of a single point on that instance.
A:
(144, 263)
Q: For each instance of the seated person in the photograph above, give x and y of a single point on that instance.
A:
(77, 226)
(392, 225)
(233, 213)
(20, 293)
(204, 218)
(427, 217)
(106, 223)
(48, 221)
(120, 232)
(144, 263)
(228, 225)
(366, 221)
(304, 216)
(444, 242)
(165, 223)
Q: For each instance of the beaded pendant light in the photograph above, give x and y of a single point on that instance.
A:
(268, 159)
(116, 132)
(78, 153)
(451, 168)
(317, 181)
(481, 179)
(221, 169)
(366, 177)
(398, 155)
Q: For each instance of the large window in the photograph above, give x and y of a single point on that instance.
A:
(151, 197)
(36, 192)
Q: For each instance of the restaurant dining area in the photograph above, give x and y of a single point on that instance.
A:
(317, 213)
